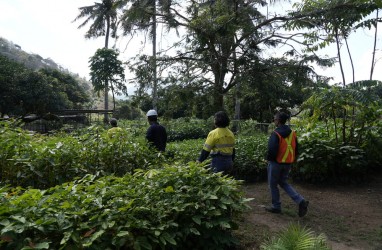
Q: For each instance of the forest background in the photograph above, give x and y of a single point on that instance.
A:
(139, 38)
(69, 187)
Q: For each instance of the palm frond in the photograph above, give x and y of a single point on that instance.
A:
(295, 237)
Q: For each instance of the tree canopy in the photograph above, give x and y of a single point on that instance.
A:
(24, 91)
(106, 69)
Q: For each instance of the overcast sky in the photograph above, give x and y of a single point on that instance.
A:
(45, 27)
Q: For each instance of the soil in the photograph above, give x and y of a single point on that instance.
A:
(349, 216)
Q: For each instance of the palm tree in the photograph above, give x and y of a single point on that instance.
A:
(104, 18)
(142, 16)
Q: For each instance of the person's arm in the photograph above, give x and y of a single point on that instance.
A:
(273, 147)
(206, 148)
(149, 134)
(203, 155)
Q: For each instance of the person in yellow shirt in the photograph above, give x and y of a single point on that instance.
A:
(220, 144)
(114, 130)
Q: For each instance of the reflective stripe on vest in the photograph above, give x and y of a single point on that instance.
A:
(287, 148)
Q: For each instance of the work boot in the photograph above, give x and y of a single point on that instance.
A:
(273, 210)
(303, 208)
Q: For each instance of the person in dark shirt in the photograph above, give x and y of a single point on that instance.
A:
(282, 153)
(156, 134)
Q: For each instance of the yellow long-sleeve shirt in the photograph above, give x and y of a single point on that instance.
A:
(220, 141)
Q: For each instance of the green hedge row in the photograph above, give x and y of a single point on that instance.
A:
(175, 207)
(44, 161)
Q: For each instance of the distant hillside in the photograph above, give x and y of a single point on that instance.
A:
(32, 61)
(35, 62)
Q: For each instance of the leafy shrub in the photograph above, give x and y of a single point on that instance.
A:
(250, 164)
(372, 145)
(251, 127)
(44, 161)
(185, 151)
(185, 129)
(176, 207)
(295, 237)
(322, 160)
(177, 129)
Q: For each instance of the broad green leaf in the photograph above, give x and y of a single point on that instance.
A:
(123, 233)
(43, 245)
(5, 222)
(194, 231)
(169, 238)
(197, 219)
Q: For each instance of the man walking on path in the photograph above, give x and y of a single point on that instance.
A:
(282, 152)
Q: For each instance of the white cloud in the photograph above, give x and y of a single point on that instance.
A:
(45, 27)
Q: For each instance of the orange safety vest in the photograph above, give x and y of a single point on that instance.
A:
(287, 148)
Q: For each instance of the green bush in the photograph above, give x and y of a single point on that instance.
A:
(323, 160)
(176, 207)
(45, 161)
(372, 145)
(250, 164)
(187, 128)
(185, 151)
(295, 237)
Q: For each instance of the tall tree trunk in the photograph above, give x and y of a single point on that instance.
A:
(335, 122)
(351, 59)
(218, 101)
(375, 45)
(237, 108)
(344, 126)
(106, 115)
(339, 57)
(155, 80)
(219, 75)
(112, 91)
(236, 126)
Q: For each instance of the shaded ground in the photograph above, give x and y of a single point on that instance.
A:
(349, 216)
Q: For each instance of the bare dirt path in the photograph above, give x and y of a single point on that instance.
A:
(349, 216)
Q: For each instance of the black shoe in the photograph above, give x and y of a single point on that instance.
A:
(273, 210)
(303, 208)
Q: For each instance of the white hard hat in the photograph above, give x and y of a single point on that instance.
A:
(152, 112)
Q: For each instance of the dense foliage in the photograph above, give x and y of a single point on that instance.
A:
(107, 73)
(174, 207)
(45, 161)
(186, 128)
(25, 91)
(115, 193)
(340, 133)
